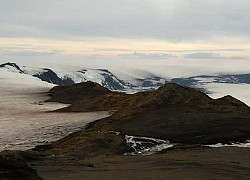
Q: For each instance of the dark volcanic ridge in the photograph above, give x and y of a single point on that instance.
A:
(173, 113)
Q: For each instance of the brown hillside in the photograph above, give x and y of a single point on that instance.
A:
(69, 94)
(179, 114)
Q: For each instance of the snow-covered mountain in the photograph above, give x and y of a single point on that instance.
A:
(200, 82)
(216, 86)
(100, 76)
(12, 67)
(61, 77)
(229, 79)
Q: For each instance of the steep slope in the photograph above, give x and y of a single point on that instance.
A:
(51, 77)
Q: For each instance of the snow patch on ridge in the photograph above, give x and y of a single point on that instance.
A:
(146, 145)
(238, 91)
(242, 145)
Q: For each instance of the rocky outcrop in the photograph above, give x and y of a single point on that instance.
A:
(51, 77)
(69, 94)
(14, 65)
(16, 170)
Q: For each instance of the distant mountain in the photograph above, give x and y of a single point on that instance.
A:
(101, 76)
(154, 81)
(109, 80)
(59, 77)
(51, 77)
(229, 79)
(12, 66)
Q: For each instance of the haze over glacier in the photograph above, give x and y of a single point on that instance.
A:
(215, 85)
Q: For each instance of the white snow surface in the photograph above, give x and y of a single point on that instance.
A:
(146, 145)
(78, 75)
(94, 75)
(241, 145)
(24, 119)
(11, 69)
(32, 70)
(218, 90)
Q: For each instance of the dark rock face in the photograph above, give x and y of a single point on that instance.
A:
(16, 170)
(51, 77)
(13, 65)
(112, 82)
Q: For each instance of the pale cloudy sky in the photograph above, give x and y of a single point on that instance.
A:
(165, 32)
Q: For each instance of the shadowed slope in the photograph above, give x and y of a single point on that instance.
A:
(69, 94)
(16, 170)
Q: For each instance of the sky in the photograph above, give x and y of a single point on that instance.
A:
(131, 33)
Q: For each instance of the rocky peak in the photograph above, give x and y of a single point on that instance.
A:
(14, 65)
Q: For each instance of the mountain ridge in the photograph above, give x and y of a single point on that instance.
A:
(14, 65)
(172, 112)
(137, 83)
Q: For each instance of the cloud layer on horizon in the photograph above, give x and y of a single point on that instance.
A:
(174, 20)
(97, 31)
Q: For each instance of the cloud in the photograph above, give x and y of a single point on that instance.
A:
(203, 55)
(175, 20)
(105, 29)
(112, 49)
(23, 52)
(216, 50)
(209, 55)
(148, 56)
